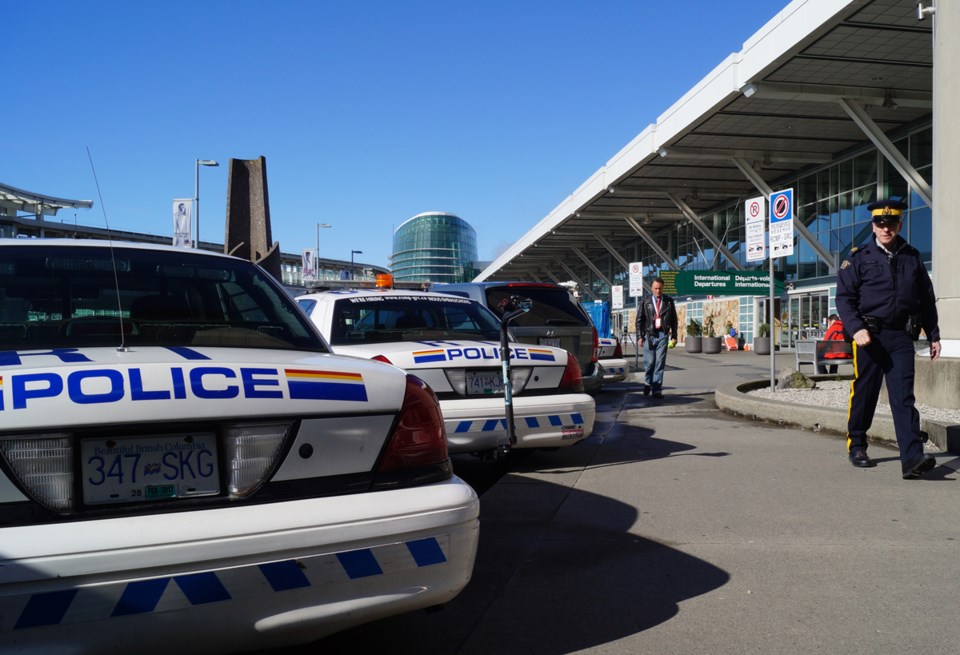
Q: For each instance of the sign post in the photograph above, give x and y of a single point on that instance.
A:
(636, 292)
(781, 245)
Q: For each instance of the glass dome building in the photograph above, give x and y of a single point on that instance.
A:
(434, 247)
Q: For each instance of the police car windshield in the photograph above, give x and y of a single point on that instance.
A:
(68, 296)
(382, 319)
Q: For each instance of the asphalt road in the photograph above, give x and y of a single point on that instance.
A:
(679, 529)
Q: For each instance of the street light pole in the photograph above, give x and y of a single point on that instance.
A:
(352, 253)
(196, 193)
(316, 255)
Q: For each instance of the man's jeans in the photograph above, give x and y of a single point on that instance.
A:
(654, 360)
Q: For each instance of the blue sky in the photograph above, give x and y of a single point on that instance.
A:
(368, 113)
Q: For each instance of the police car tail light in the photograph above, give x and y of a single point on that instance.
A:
(44, 468)
(381, 358)
(251, 451)
(618, 350)
(572, 380)
(596, 346)
(418, 437)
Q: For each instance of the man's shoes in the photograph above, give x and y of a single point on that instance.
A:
(658, 395)
(646, 390)
(858, 457)
(916, 469)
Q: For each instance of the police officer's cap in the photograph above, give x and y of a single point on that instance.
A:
(887, 210)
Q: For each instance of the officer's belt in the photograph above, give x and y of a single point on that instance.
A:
(875, 324)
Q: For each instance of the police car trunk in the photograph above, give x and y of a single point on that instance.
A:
(182, 461)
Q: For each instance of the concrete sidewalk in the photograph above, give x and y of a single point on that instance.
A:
(677, 528)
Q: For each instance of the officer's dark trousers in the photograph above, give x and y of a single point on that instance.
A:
(889, 356)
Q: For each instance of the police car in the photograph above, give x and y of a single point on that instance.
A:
(453, 344)
(610, 356)
(184, 466)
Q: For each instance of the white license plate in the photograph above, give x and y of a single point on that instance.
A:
(479, 384)
(150, 468)
(549, 341)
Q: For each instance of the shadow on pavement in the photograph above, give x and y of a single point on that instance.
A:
(557, 571)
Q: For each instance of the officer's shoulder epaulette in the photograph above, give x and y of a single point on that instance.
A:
(854, 250)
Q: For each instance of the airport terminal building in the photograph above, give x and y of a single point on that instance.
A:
(835, 99)
(434, 247)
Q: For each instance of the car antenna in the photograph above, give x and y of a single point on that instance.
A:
(113, 259)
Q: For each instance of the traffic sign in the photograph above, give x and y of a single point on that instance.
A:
(756, 222)
(781, 223)
(616, 291)
(636, 279)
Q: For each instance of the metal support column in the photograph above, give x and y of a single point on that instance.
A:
(573, 276)
(632, 222)
(886, 147)
(707, 232)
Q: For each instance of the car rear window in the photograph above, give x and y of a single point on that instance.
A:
(551, 305)
(70, 296)
(403, 318)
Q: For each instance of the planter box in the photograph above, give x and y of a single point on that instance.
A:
(761, 345)
(712, 345)
(693, 344)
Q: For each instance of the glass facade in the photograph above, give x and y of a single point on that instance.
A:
(831, 202)
(434, 247)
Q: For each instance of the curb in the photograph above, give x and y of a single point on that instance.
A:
(733, 399)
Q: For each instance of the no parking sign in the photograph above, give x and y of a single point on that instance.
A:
(781, 223)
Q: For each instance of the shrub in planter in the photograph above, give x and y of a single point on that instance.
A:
(693, 341)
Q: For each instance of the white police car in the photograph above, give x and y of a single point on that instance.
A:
(184, 467)
(610, 356)
(453, 344)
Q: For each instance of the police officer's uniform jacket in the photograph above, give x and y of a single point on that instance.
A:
(646, 319)
(872, 283)
(878, 291)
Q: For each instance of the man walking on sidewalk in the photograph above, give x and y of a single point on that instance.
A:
(657, 326)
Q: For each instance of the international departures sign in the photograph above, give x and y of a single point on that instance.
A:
(718, 283)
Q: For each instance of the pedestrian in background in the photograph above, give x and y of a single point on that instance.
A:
(884, 297)
(834, 333)
(657, 326)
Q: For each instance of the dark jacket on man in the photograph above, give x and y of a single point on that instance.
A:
(646, 319)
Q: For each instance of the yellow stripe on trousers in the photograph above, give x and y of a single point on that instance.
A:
(856, 374)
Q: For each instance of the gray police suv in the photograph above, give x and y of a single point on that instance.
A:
(556, 319)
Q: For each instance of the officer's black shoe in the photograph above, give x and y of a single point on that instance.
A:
(917, 468)
(646, 390)
(658, 395)
(858, 457)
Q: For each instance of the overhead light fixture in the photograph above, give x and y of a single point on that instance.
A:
(748, 90)
(662, 152)
(611, 189)
(888, 101)
(923, 12)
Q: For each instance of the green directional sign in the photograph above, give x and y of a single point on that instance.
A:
(726, 283)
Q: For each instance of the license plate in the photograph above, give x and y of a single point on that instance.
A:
(549, 341)
(479, 384)
(139, 469)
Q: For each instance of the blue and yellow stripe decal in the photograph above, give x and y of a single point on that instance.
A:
(540, 354)
(306, 384)
(425, 356)
(101, 602)
(533, 422)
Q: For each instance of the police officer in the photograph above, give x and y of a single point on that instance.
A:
(657, 326)
(884, 298)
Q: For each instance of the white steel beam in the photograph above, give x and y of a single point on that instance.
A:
(707, 232)
(885, 146)
(632, 222)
